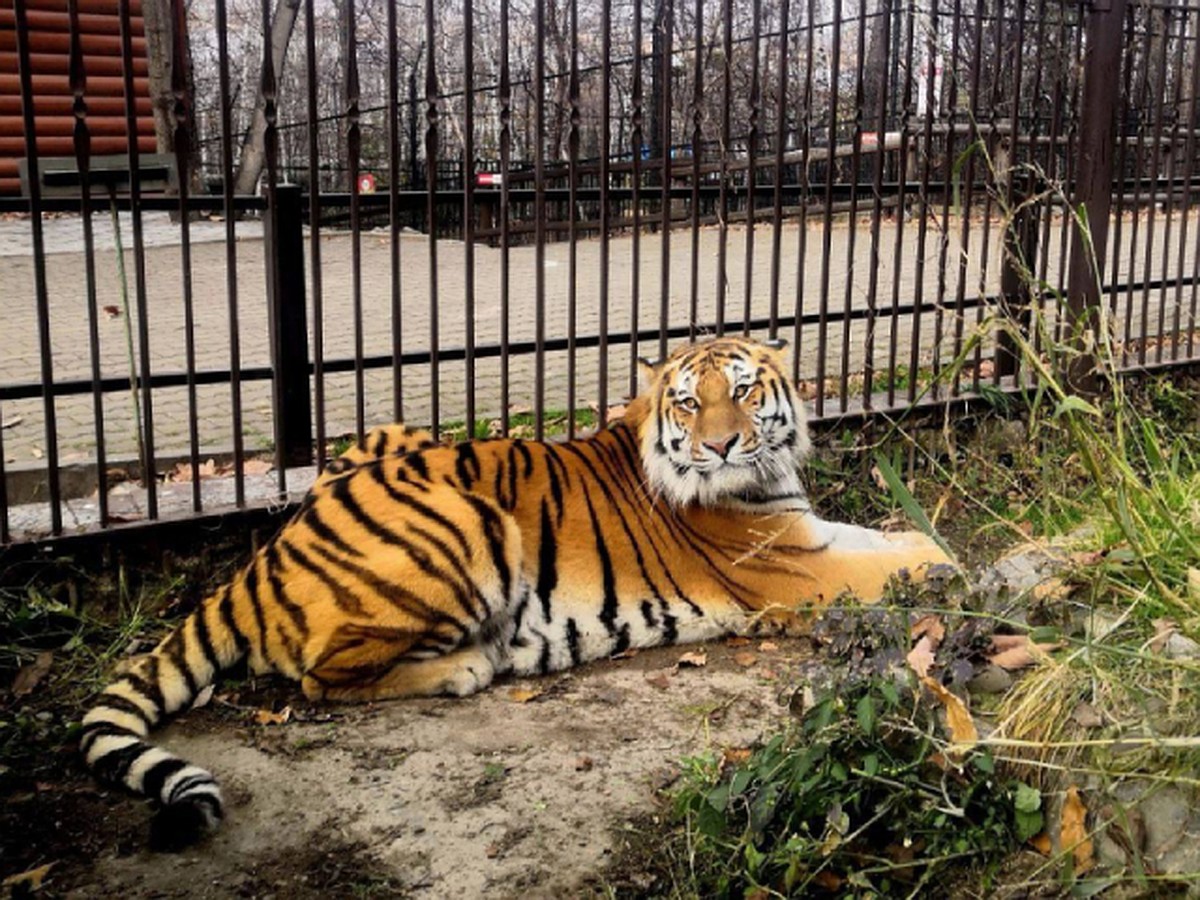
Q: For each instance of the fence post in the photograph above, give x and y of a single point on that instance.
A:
(1104, 39)
(1020, 256)
(288, 322)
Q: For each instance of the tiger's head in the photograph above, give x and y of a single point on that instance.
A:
(721, 423)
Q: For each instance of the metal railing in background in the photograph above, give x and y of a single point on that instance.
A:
(872, 179)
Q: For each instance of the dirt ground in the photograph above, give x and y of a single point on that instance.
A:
(522, 790)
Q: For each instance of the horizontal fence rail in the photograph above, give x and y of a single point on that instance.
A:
(474, 217)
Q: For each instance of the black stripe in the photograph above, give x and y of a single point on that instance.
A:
(204, 639)
(512, 477)
(552, 465)
(573, 642)
(294, 610)
(547, 578)
(148, 687)
(344, 598)
(250, 586)
(424, 509)
(314, 521)
(182, 788)
(467, 464)
(416, 462)
(608, 612)
(521, 448)
(113, 766)
(622, 642)
(94, 730)
(230, 623)
(174, 648)
(157, 775)
(381, 443)
(123, 704)
(494, 532)
(648, 614)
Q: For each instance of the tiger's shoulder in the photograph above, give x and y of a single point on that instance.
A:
(378, 443)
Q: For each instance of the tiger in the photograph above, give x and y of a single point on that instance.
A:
(416, 568)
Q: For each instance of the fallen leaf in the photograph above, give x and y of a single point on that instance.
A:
(768, 646)
(30, 881)
(767, 674)
(29, 676)
(524, 695)
(828, 881)
(257, 466)
(738, 641)
(492, 851)
(661, 679)
(37, 452)
(745, 659)
(930, 625)
(920, 657)
(695, 658)
(1163, 629)
(1050, 589)
(584, 763)
(958, 718)
(266, 717)
(113, 312)
(203, 698)
(734, 756)
(1073, 836)
(877, 477)
(12, 423)
(1014, 651)
(625, 654)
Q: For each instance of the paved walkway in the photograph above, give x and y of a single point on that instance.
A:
(849, 277)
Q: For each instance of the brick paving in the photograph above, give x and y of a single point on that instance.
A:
(849, 278)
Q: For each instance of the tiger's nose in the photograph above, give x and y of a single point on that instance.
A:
(722, 446)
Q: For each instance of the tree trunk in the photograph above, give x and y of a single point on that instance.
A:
(160, 52)
(253, 156)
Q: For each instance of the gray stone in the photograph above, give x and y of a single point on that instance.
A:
(991, 679)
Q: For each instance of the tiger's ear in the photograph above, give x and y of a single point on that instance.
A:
(648, 370)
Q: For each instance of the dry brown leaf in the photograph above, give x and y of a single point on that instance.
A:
(661, 679)
(584, 763)
(695, 658)
(113, 312)
(745, 659)
(31, 675)
(1041, 843)
(12, 422)
(625, 654)
(734, 756)
(768, 646)
(1074, 834)
(203, 698)
(28, 881)
(920, 657)
(880, 481)
(828, 881)
(767, 674)
(524, 695)
(1050, 589)
(738, 641)
(958, 718)
(1013, 651)
(266, 717)
(931, 625)
(257, 466)
(1163, 629)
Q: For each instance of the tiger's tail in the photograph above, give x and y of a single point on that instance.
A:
(114, 731)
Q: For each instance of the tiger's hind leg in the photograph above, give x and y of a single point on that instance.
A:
(458, 673)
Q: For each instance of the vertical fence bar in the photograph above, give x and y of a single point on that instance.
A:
(805, 189)
(636, 165)
(469, 205)
(752, 162)
(1122, 147)
(1093, 189)
(960, 294)
(182, 115)
(1168, 205)
(907, 116)
(726, 139)
(431, 167)
(781, 106)
(697, 126)
(353, 156)
(827, 223)
(539, 227)
(274, 258)
(852, 230)
(1139, 105)
(314, 232)
(573, 199)
(605, 151)
(950, 100)
(933, 51)
(83, 154)
(667, 23)
(231, 279)
(1158, 97)
(877, 208)
(1189, 147)
(505, 99)
(1189, 155)
(42, 298)
(146, 449)
(393, 133)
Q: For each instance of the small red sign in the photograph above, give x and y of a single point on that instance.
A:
(366, 183)
(489, 179)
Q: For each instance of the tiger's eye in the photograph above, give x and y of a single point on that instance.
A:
(688, 404)
(741, 392)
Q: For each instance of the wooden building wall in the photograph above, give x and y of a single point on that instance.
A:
(50, 59)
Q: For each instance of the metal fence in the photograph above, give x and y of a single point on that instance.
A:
(873, 180)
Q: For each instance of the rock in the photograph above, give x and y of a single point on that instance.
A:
(991, 679)
(1180, 647)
